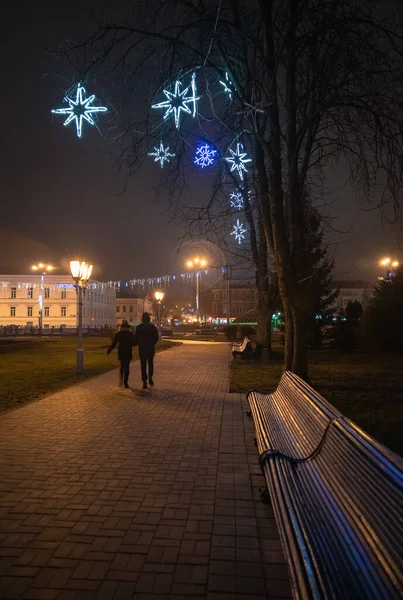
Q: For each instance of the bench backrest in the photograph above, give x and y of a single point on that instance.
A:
(295, 416)
(241, 347)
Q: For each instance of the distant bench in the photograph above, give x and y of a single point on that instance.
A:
(337, 496)
(244, 349)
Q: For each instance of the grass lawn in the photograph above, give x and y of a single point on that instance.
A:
(34, 367)
(365, 387)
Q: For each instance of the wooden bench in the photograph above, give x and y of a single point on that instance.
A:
(337, 495)
(244, 349)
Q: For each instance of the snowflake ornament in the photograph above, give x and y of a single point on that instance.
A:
(227, 85)
(161, 154)
(236, 200)
(79, 109)
(205, 155)
(238, 160)
(178, 101)
(239, 231)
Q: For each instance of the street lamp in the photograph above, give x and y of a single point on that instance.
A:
(43, 270)
(196, 263)
(391, 267)
(159, 296)
(81, 272)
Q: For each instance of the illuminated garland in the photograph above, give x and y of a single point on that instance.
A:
(79, 109)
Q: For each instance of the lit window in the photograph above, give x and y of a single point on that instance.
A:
(64, 294)
(63, 312)
(124, 309)
(13, 293)
(47, 292)
(12, 311)
(131, 309)
(29, 311)
(46, 311)
(118, 308)
(30, 293)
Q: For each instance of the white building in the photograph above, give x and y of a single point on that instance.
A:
(131, 309)
(20, 297)
(362, 291)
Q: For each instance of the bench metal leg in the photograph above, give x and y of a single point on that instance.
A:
(264, 495)
(248, 413)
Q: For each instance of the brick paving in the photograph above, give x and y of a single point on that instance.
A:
(114, 494)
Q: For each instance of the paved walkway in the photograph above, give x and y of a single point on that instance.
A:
(115, 494)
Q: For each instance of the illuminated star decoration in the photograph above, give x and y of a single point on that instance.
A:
(238, 160)
(205, 155)
(178, 101)
(227, 85)
(239, 231)
(236, 199)
(79, 109)
(161, 154)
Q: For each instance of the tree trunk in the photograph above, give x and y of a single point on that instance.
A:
(289, 336)
(264, 316)
(300, 353)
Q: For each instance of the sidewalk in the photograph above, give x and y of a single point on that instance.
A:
(108, 493)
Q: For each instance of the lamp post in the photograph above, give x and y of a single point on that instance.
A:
(196, 263)
(391, 267)
(43, 270)
(81, 272)
(159, 296)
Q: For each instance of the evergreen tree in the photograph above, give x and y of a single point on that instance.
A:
(384, 317)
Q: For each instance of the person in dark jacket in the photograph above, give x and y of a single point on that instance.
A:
(146, 337)
(124, 340)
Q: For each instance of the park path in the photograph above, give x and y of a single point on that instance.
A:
(114, 494)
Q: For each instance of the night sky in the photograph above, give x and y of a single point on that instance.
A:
(60, 194)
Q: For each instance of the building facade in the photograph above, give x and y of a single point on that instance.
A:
(362, 291)
(243, 298)
(131, 309)
(21, 295)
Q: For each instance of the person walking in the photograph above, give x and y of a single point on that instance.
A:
(146, 337)
(124, 340)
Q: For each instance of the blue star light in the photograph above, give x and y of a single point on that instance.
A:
(239, 231)
(238, 160)
(178, 101)
(227, 85)
(205, 155)
(161, 154)
(79, 109)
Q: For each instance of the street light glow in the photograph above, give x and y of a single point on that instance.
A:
(80, 270)
(42, 267)
(159, 296)
(385, 262)
(395, 264)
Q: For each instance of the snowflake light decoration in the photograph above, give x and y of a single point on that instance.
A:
(238, 160)
(79, 109)
(205, 155)
(161, 154)
(239, 231)
(236, 200)
(178, 101)
(227, 85)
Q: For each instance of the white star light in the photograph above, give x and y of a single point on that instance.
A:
(205, 155)
(161, 154)
(239, 231)
(238, 160)
(79, 109)
(227, 85)
(177, 101)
